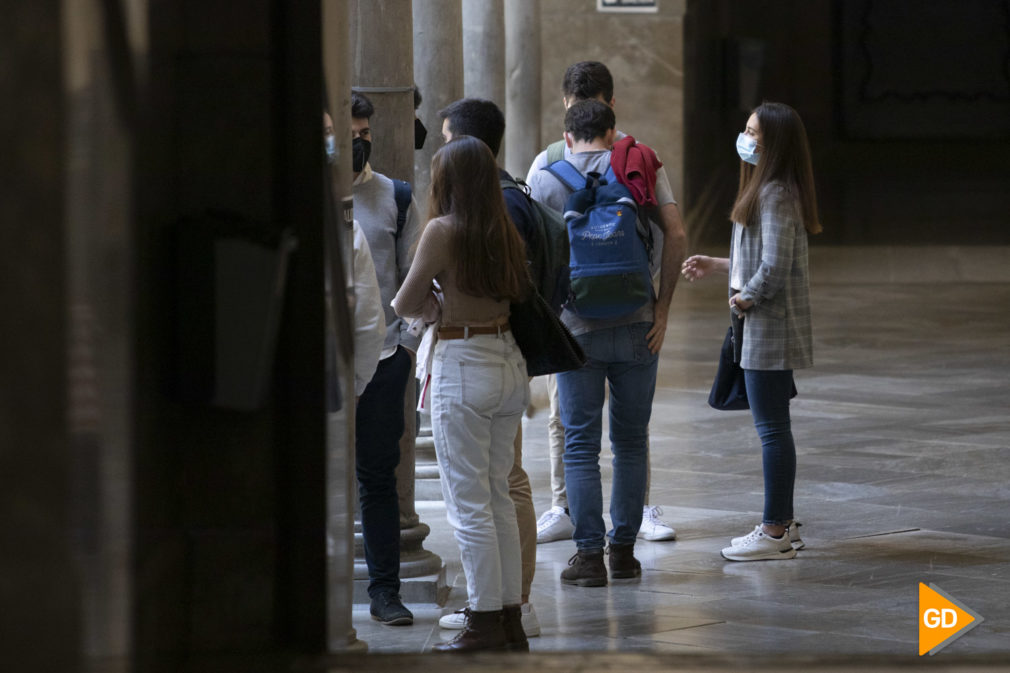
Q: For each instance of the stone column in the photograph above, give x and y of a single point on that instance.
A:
(99, 263)
(484, 52)
(341, 486)
(382, 49)
(383, 56)
(522, 84)
(438, 72)
(41, 592)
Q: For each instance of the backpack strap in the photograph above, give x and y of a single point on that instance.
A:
(509, 183)
(609, 177)
(556, 151)
(401, 193)
(568, 175)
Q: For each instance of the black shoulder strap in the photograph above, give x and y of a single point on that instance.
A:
(401, 192)
(515, 183)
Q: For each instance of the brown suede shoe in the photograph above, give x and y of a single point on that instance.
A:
(586, 569)
(623, 564)
(483, 631)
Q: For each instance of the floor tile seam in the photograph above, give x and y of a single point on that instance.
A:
(873, 435)
(967, 560)
(778, 631)
(844, 632)
(981, 505)
(712, 622)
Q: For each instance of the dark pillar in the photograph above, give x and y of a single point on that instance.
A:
(40, 619)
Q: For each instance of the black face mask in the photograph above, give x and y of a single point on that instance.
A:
(420, 133)
(360, 149)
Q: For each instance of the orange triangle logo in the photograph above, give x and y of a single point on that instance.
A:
(942, 620)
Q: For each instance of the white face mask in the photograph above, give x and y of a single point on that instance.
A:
(331, 148)
(746, 147)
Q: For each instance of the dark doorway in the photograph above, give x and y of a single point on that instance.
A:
(907, 109)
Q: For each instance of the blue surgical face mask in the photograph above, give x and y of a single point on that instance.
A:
(331, 148)
(746, 147)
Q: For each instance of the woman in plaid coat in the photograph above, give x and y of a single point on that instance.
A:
(769, 297)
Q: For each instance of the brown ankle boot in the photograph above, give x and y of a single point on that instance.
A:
(483, 631)
(623, 564)
(515, 636)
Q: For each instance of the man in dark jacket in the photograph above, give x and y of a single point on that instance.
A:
(483, 120)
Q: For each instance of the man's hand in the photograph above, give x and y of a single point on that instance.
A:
(696, 267)
(657, 334)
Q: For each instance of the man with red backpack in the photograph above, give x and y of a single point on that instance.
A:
(621, 338)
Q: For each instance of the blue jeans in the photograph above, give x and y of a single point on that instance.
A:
(380, 424)
(768, 393)
(620, 356)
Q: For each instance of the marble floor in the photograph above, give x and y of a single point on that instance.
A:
(903, 440)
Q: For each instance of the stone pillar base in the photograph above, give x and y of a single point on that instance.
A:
(427, 483)
(431, 589)
(422, 573)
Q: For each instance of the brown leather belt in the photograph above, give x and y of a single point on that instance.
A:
(465, 331)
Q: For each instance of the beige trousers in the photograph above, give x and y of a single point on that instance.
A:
(522, 497)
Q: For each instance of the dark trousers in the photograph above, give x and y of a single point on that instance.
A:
(769, 393)
(379, 420)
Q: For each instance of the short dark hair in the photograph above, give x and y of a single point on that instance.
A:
(361, 107)
(476, 117)
(589, 119)
(588, 79)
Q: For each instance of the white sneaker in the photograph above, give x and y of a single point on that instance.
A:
(757, 546)
(457, 620)
(553, 525)
(653, 528)
(794, 537)
(453, 620)
(531, 625)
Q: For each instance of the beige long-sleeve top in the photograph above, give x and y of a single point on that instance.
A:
(434, 261)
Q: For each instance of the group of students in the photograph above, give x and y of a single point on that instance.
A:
(466, 265)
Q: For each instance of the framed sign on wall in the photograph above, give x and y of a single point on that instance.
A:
(627, 6)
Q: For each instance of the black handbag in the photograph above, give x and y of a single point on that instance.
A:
(545, 342)
(729, 390)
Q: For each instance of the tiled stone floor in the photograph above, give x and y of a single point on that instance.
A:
(903, 436)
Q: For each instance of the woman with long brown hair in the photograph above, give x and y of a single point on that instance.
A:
(479, 387)
(769, 297)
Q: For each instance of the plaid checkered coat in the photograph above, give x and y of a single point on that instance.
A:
(773, 251)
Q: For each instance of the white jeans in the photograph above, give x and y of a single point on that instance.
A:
(479, 392)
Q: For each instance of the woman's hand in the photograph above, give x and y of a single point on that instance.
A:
(739, 303)
(432, 307)
(699, 266)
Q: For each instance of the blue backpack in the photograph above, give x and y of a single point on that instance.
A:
(609, 256)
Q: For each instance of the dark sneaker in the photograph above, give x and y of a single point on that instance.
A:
(586, 569)
(388, 609)
(623, 564)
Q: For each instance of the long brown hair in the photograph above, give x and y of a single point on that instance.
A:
(490, 256)
(785, 158)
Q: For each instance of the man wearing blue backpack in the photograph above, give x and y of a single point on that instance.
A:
(620, 324)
